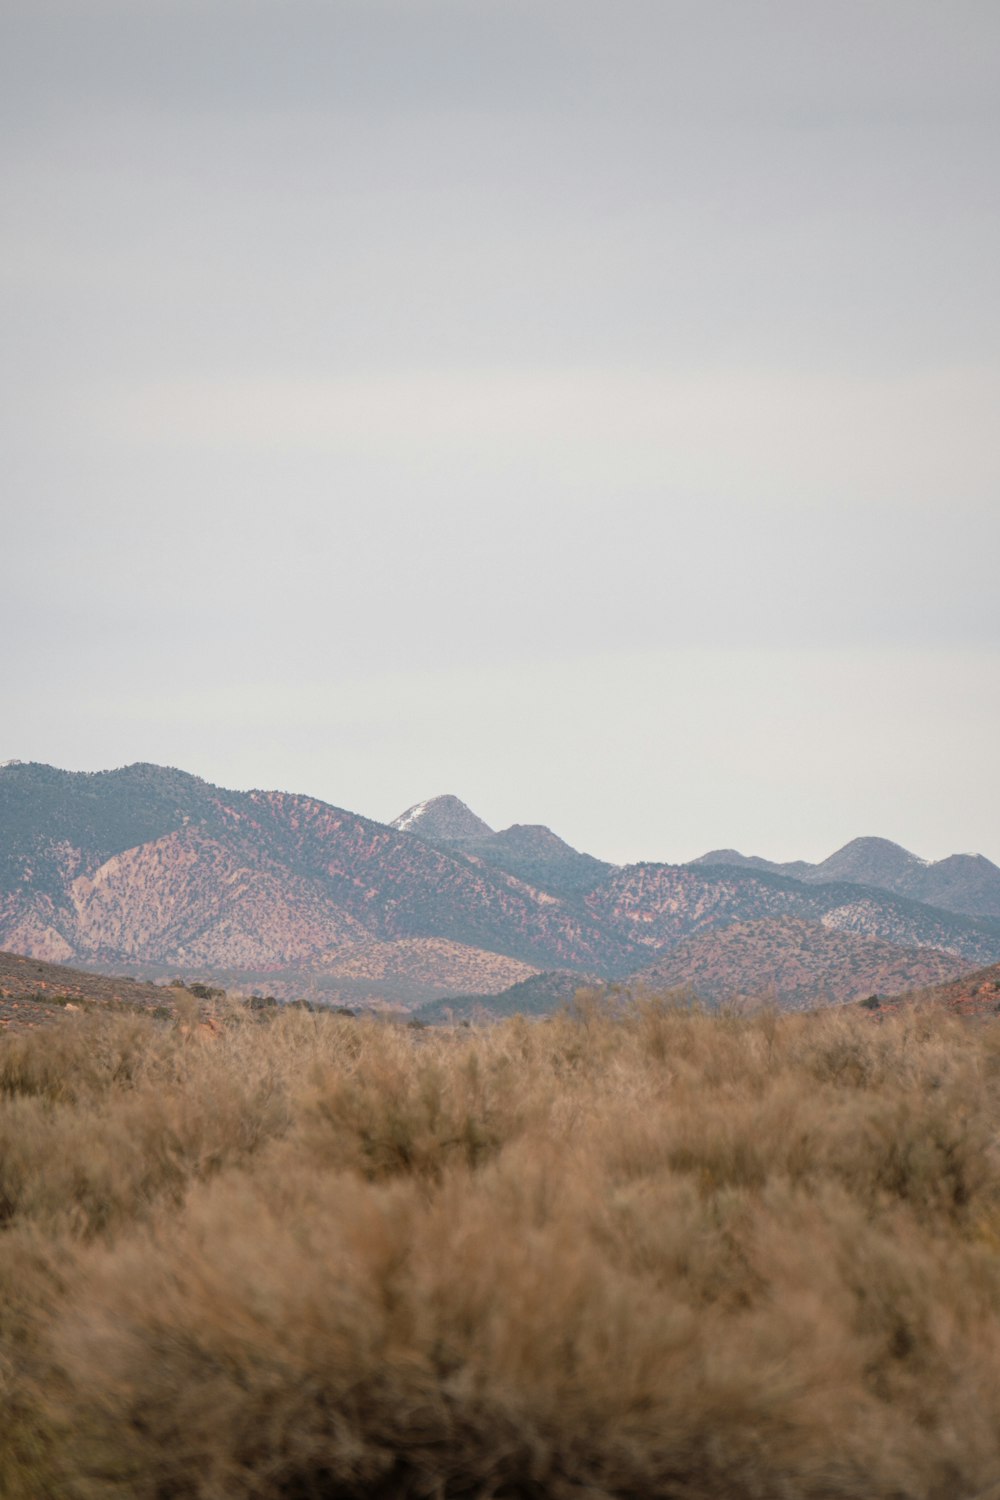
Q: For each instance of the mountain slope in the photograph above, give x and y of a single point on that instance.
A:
(21, 977)
(870, 861)
(961, 882)
(533, 853)
(58, 824)
(797, 964)
(658, 906)
(254, 879)
(973, 994)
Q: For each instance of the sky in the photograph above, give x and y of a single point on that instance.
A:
(586, 407)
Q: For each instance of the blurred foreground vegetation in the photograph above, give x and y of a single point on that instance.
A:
(658, 1254)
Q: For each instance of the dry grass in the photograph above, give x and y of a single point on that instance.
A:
(664, 1254)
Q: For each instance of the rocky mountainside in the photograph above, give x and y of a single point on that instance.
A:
(53, 823)
(175, 871)
(796, 964)
(159, 873)
(965, 883)
(792, 963)
(657, 906)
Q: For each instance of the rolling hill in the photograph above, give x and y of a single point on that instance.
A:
(796, 964)
(971, 994)
(35, 993)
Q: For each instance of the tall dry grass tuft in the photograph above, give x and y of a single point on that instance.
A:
(654, 1253)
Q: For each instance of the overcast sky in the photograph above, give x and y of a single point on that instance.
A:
(587, 407)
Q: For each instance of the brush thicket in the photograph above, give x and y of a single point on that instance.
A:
(654, 1254)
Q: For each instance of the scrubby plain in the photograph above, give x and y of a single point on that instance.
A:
(659, 1253)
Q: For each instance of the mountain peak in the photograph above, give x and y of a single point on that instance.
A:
(871, 861)
(443, 818)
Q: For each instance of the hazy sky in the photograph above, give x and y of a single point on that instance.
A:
(588, 407)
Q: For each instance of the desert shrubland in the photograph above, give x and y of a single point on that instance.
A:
(613, 1253)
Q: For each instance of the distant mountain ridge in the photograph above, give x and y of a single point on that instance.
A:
(528, 851)
(964, 883)
(659, 905)
(151, 869)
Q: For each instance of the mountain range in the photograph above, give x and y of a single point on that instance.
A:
(966, 883)
(156, 871)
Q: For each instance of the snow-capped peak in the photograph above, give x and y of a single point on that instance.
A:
(441, 819)
(406, 820)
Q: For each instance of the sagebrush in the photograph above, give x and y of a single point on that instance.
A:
(656, 1253)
